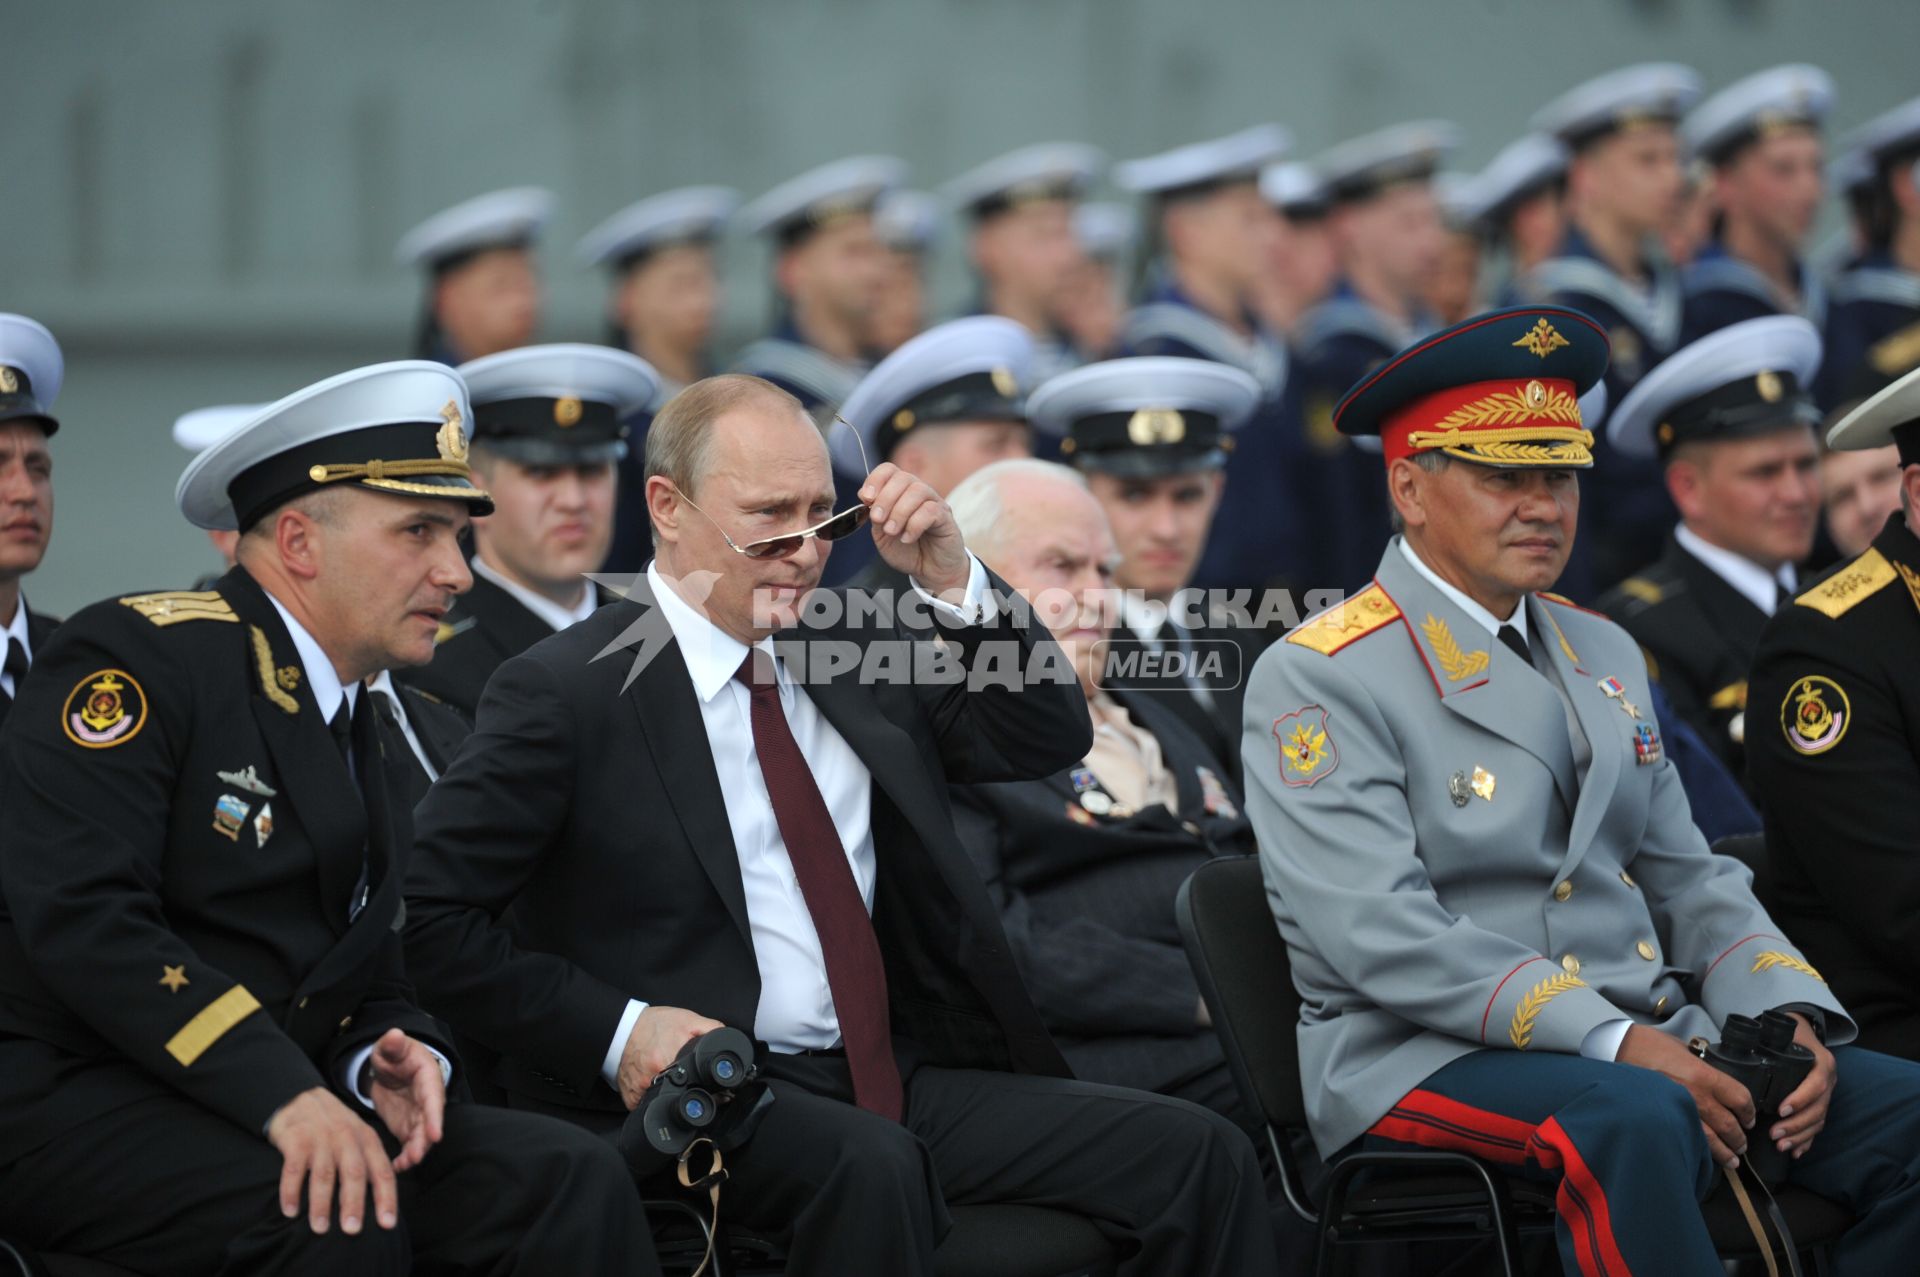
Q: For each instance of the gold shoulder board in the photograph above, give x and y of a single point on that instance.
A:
(175, 606)
(1639, 587)
(1338, 626)
(1866, 575)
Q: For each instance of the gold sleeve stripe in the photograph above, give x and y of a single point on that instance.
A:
(1520, 1033)
(1774, 958)
(203, 1030)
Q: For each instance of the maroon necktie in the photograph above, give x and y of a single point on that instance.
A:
(855, 974)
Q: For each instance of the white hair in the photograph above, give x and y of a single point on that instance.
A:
(976, 504)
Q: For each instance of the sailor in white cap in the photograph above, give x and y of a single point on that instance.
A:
(1019, 211)
(908, 225)
(230, 829)
(198, 430)
(1152, 435)
(1518, 203)
(1452, 288)
(549, 428)
(1387, 238)
(660, 256)
(659, 253)
(483, 292)
(1092, 307)
(1210, 235)
(1761, 139)
(942, 406)
(1304, 266)
(31, 370)
(1624, 190)
(828, 266)
(1873, 317)
(1730, 418)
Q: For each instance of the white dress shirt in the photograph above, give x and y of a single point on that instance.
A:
(16, 629)
(323, 681)
(1603, 1040)
(381, 684)
(540, 605)
(1765, 589)
(796, 1011)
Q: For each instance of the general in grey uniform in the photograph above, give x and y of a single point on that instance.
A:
(1483, 864)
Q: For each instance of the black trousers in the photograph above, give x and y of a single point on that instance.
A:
(1175, 1187)
(165, 1187)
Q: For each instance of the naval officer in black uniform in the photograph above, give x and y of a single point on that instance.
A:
(206, 1035)
(1834, 751)
(550, 428)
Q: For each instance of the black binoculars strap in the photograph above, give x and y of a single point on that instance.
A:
(716, 1175)
(1778, 1242)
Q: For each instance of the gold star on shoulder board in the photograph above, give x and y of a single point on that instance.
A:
(175, 978)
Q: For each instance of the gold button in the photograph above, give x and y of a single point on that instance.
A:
(1626, 877)
(1563, 891)
(1645, 950)
(1660, 1007)
(346, 1022)
(1571, 963)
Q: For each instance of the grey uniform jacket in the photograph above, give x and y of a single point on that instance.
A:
(1459, 862)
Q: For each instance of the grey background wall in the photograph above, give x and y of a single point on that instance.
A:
(202, 198)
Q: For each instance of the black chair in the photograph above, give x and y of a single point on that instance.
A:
(1245, 976)
(1751, 851)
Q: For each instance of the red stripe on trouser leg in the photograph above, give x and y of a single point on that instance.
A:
(1555, 1150)
(1435, 1121)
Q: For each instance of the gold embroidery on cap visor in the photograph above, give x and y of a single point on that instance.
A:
(394, 476)
(1536, 425)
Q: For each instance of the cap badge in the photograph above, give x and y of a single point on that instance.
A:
(1151, 426)
(452, 439)
(904, 419)
(1542, 339)
(9, 382)
(566, 411)
(1536, 395)
(1005, 382)
(1768, 384)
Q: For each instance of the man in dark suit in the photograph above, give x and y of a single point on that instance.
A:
(550, 426)
(30, 374)
(1084, 863)
(795, 875)
(1729, 418)
(203, 1014)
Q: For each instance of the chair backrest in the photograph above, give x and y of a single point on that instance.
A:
(1751, 851)
(1241, 965)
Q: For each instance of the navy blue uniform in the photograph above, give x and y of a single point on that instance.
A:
(1721, 290)
(1340, 341)
(1259, 531)
(1873, 330)
(1625, 510)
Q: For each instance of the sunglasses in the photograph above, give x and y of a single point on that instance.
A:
(836, 528)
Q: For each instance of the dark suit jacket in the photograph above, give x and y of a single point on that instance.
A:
(485, 626)
(1700, 635)
(1226, 655)
(1087, 903)
(166, 929)
(578, 853)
